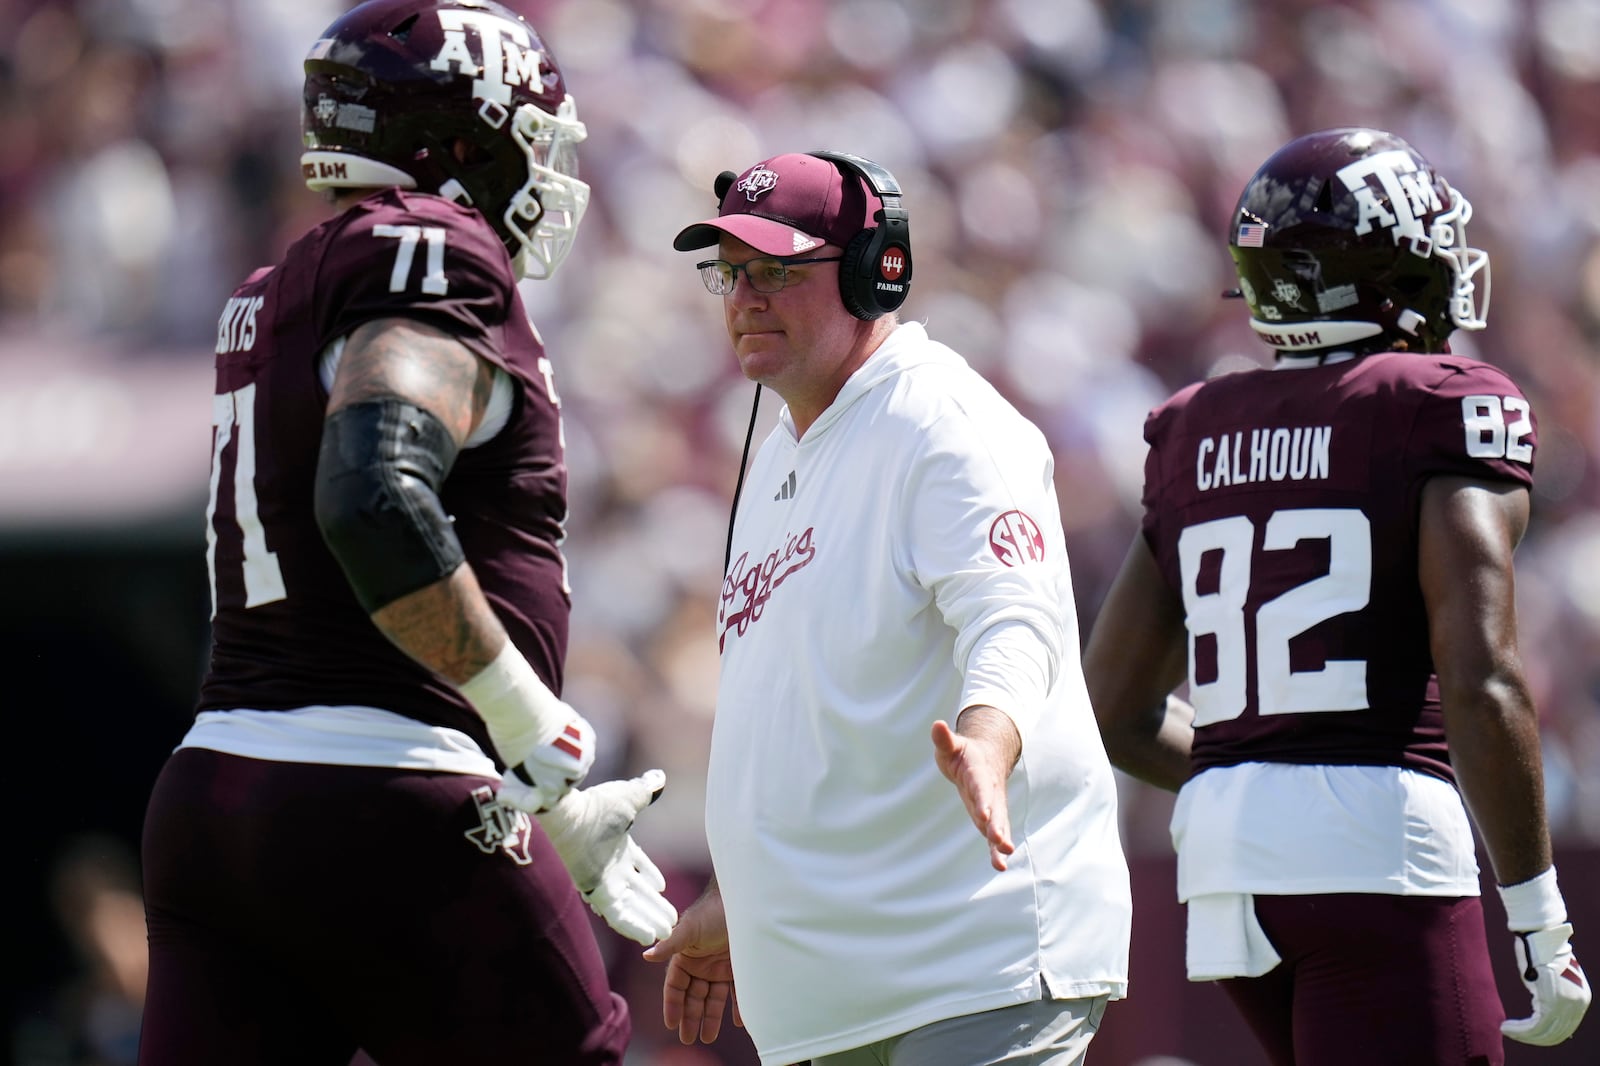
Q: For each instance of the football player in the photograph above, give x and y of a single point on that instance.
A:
(371, 835)
(1326, 561)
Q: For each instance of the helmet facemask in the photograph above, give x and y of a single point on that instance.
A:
(543, 215)
(1469, 295)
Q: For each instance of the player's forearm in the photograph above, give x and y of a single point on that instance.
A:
(1494, 746)
(1136, 656)
(1147, 731)
(1154, 746)
(1466, 536)
(448, 626)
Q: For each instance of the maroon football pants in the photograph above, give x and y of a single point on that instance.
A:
(1376, 980)
(299, 912)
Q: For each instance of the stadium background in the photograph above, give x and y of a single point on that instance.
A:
(1069, 166)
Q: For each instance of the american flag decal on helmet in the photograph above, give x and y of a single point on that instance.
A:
(1251, 235)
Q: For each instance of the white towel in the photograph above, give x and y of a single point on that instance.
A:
(1225, 940)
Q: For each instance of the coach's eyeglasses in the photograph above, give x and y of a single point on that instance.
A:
(767, 273)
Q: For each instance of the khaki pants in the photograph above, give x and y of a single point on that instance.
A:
(1045, 1032)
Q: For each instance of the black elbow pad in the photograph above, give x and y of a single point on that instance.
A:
(379, 475)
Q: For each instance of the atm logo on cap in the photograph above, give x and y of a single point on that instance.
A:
(758, 181)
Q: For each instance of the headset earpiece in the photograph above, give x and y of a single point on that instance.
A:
(723, 183)
(851, 283)
(875, 273)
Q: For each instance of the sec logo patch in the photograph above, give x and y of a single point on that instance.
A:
(1016, 539)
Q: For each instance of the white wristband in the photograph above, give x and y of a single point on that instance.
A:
(1534, 904)
(511, 697)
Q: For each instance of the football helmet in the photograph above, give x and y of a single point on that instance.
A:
(455, 97)
(1347, 238)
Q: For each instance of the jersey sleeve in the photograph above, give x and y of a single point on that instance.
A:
(1473, 422)
(406, 256)
(983, 533)
(1158, 426)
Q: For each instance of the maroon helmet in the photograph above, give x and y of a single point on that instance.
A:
(455, 97)
(1347, 238)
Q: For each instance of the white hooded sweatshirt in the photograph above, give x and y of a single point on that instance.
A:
(903, 561)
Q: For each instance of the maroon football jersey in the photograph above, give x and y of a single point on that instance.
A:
(287, 630)
(1283, 506)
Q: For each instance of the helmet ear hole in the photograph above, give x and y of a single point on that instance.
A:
(468, 154)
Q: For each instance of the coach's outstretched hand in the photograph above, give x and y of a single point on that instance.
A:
(978, 757)
(590, 830)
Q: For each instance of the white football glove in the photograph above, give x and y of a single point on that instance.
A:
(589, 828)
(1537, 916)
(1560, 991)
(547, 746)
(539, 772)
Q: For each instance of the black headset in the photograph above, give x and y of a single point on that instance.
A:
(875, 274)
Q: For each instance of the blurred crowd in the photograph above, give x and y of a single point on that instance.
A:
(1069, 167)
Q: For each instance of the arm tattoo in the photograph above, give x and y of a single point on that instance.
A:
(448, 627)
(418, 363)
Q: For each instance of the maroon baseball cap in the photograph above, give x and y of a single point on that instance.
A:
(787, 205)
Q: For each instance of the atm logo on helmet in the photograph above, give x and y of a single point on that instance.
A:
(508, 57)
(1410, 193)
